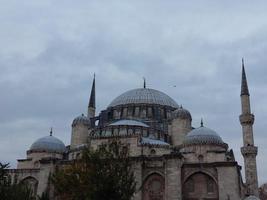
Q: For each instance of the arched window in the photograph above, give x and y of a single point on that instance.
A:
(200, 158)
(200, 185)
(125, 150)
(152, 152)
(190, 185)
(130, 131)
(36, 164)
(154, 188)
(210, 185)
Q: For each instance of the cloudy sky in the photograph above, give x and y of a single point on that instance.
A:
(50, 50)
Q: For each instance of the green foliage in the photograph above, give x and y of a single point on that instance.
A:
(100, 174)
(13, 191)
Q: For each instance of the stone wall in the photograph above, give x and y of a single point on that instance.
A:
(229, 182)
(204, 153)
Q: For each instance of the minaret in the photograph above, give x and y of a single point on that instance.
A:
(91, 105)
(249, 151)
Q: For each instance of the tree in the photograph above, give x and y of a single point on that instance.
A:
(104, 173)
(44, 196)
(15, 190)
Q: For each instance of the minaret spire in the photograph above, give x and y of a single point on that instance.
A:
(144, 82)
(92, 102)
(244, 84)
(249, 151)
(51, 131)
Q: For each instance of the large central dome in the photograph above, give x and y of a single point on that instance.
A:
(144, 96)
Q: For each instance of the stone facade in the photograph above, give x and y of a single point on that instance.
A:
(171, 159)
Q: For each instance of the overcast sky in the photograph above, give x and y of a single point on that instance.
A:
(50, 50)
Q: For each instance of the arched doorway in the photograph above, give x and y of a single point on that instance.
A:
(32, 183)
(200, 186)
(154, 187)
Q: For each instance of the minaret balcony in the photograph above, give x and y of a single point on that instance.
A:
(249, 150)
(247, 119)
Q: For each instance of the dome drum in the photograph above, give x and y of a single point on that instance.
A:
(140, 111)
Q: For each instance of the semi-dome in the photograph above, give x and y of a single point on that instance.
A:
(203, 135)
(144, 96)
(81, 119)
(49, 144)
(182, 114)
(251, 198)
(127, 122)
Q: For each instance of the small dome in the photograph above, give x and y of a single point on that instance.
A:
(144, 96)
(182, 114)
(203, 135)
(82, 119)
(48, 144)
(251, 198)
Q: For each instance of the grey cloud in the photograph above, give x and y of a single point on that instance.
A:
(51, 50)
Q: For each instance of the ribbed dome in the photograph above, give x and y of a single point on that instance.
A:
(82, 119)
(182, 114)
(251, 198)
(48, 144)
(203, 135)
(144, 96)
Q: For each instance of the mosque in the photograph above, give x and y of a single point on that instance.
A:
(171, 159)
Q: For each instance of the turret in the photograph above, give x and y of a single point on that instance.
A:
(180, 126)
(79, 134)
(91, 104)
(249, 151)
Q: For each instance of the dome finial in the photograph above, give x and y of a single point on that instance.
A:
(144, 82)
(201, 123)
(51, 131)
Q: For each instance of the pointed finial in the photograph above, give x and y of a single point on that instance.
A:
(92, 96)
(181, 107)
(244, 84)
(144, 82)
(51, 131)
(201, 123)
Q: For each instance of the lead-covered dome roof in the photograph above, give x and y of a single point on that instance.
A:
(144, 96)
(203, 135)
(49, 144)
(81, 119)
